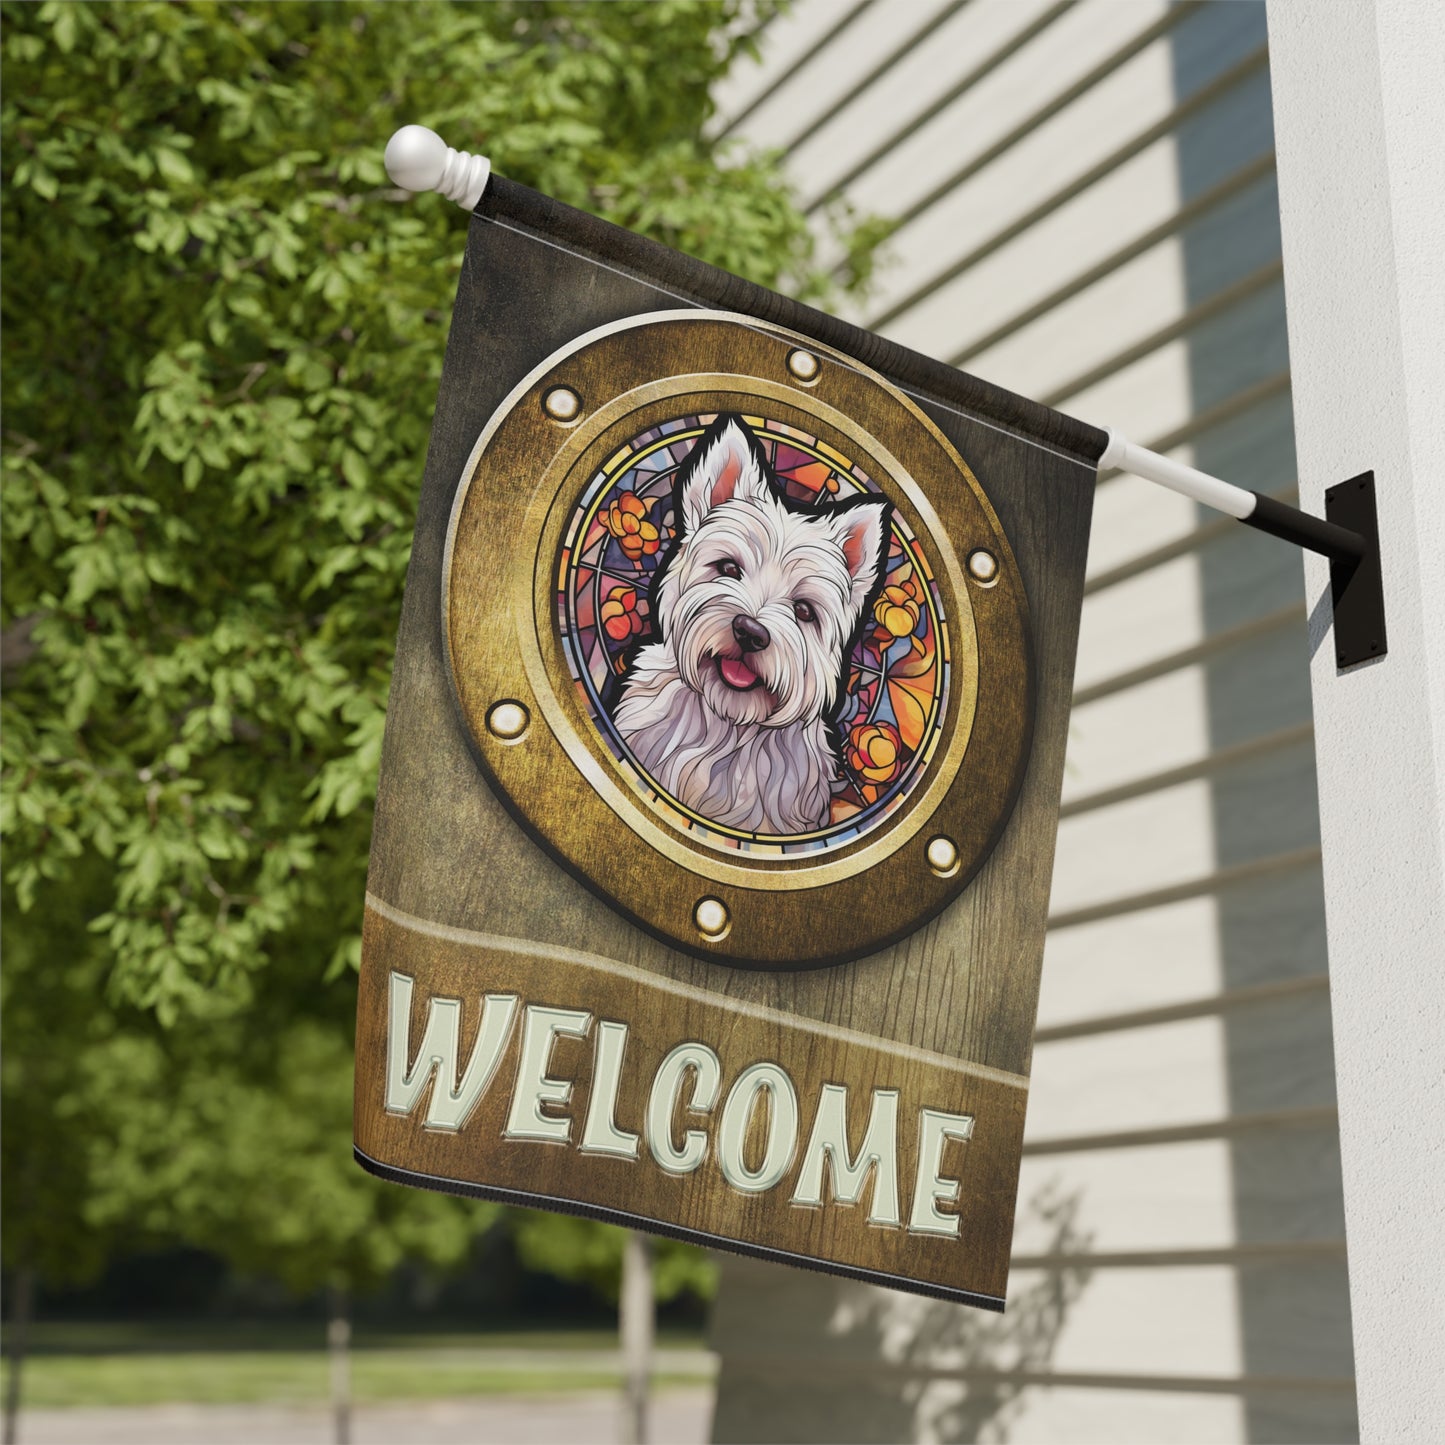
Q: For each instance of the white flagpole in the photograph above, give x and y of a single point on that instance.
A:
(1124, 455)
(1252, 508)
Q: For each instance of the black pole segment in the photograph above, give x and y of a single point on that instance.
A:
(1339, 544)
(1357, 588)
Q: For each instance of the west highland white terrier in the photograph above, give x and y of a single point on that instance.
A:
(758, 605)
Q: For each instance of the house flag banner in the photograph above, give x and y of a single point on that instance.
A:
(722, 766)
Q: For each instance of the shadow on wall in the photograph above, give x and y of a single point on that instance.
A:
(933, 1371)
(1293, 1302)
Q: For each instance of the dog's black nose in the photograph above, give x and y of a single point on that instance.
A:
(752, 636)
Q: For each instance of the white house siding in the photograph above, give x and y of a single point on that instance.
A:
(1092, 221)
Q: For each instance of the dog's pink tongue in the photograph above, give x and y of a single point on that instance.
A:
(736, 672)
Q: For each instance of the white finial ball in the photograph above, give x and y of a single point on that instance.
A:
(415, 158)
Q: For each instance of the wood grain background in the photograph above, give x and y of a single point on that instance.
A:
(700, 1204)
(445, 850)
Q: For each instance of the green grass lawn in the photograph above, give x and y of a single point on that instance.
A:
(102, 1365)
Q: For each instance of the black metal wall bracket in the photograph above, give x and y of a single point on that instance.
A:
(1349, 535)
(1357, 589)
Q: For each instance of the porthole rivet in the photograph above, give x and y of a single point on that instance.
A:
(508, 721)
(982, 566)
(803, 365)
(712, 919)
(561, 403)
(943, 856)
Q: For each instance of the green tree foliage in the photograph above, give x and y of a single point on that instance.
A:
(119, 1132)
(223, 332)
(49, 987)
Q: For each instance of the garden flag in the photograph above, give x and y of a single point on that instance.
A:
(722, 767)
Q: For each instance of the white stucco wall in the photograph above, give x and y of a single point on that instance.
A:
(1360, 126)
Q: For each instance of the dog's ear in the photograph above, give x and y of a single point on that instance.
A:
(861, 532)
(724, 466)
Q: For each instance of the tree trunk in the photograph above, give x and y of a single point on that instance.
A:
(338, 1343)
(635, 1323)
(16, 1339)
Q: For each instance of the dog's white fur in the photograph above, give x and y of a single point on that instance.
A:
(759, 760)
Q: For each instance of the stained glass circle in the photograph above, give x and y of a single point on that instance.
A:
(888, 720)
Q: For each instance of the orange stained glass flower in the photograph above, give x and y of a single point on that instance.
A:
(875, 752)
(620, 617)
(896, 611)
(628, 521)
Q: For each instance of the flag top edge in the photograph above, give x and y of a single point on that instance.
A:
(510, 202)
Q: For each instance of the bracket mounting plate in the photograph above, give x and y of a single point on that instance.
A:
(1357, 587)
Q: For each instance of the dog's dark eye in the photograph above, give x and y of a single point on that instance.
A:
(803, 611)
(728, 568)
